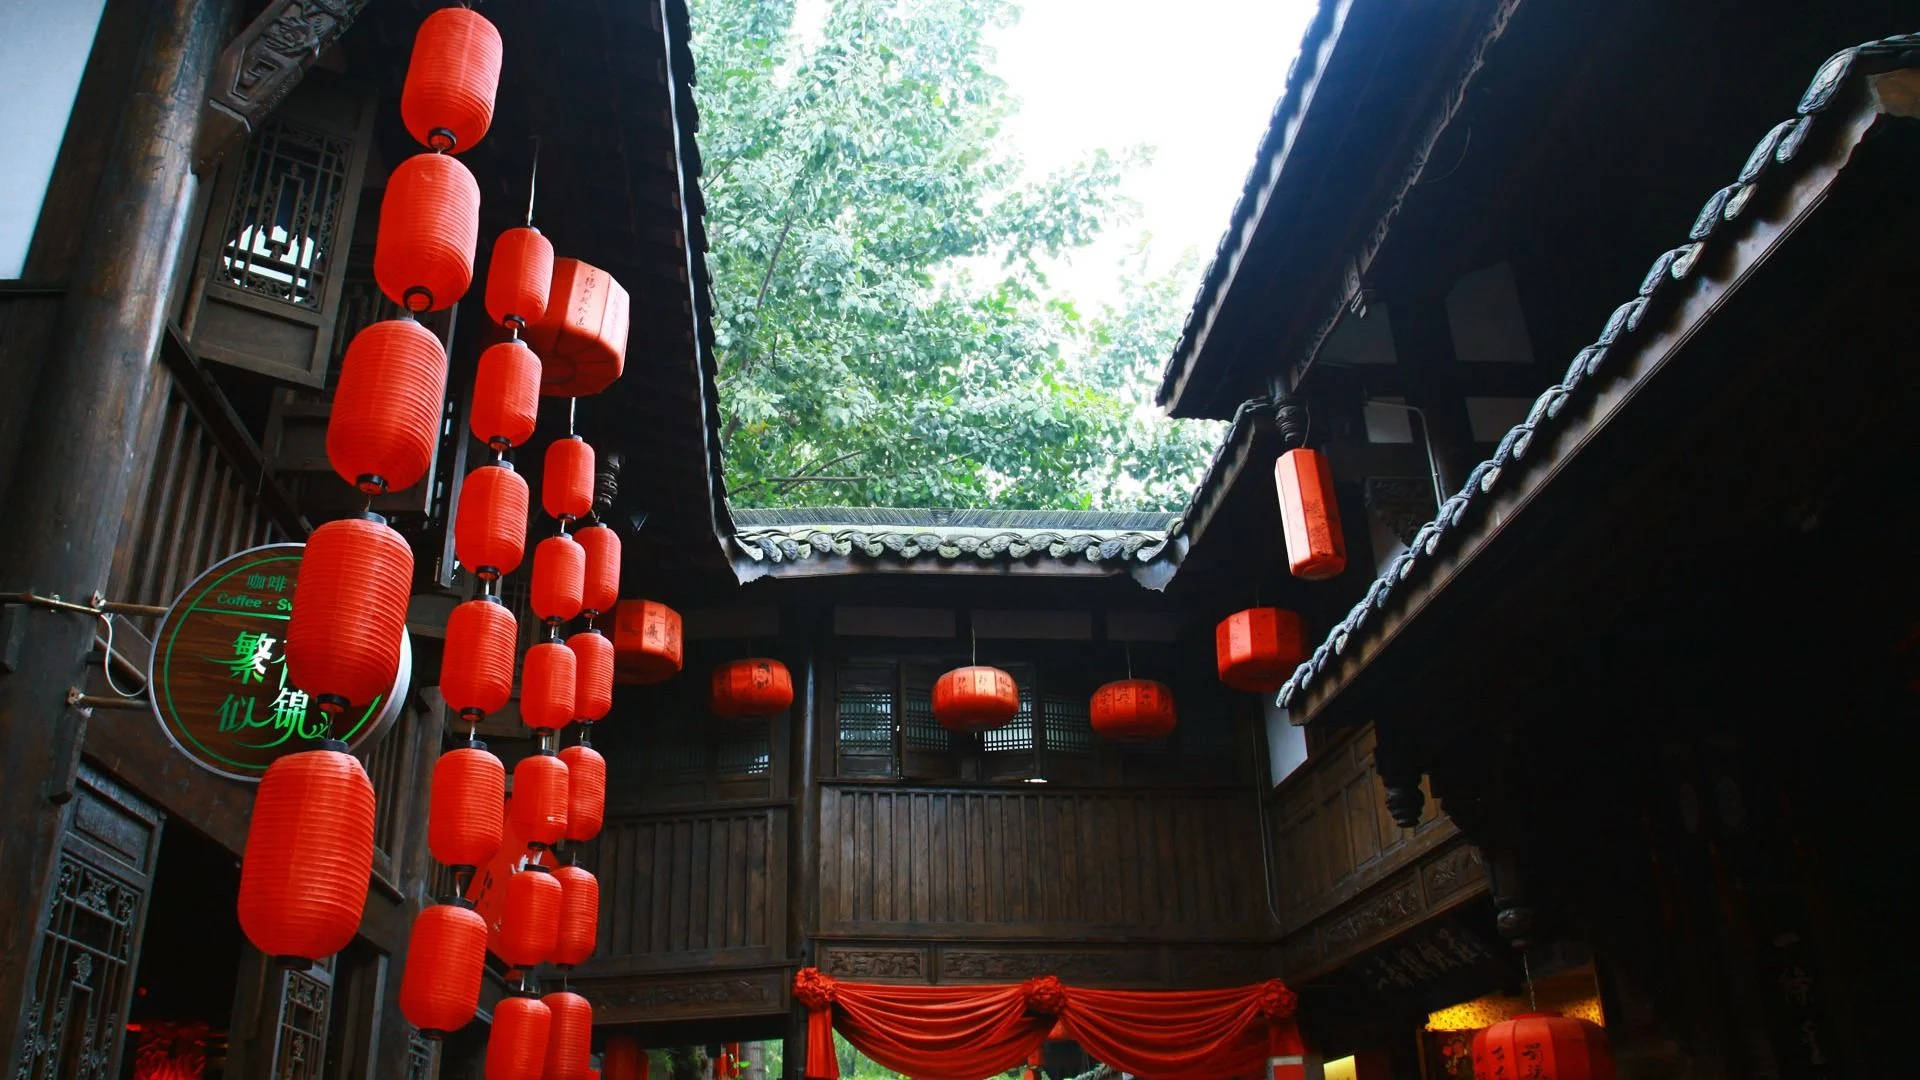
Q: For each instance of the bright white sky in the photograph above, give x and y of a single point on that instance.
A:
(1195, 79)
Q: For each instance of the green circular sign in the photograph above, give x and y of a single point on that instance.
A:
(218, 674)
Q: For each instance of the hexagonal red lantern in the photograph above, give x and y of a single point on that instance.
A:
(1257, 649)
(976, 698)
(647, 642)
(752, 687)
(1544, 1045)
(1133, 709)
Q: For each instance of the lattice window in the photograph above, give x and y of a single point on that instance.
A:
(917, 724)
(1069, 728)
(866, 720)
(284, 221)
(300, 1042)
(745, 753)
(420, 1055)
(73, 1026)
(1018, 734)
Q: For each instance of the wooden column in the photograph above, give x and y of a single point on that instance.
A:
(1427, 354)
(803, 873)
(64, 500)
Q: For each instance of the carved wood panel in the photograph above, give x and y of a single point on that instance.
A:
(1135, 965)
(640, 999)
(692, 890)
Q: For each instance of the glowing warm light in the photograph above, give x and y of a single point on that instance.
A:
(1341, 1069)
(1494, 1008)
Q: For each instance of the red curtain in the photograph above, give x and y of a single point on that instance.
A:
(971, 1032)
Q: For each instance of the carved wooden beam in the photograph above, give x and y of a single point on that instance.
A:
(258, 69)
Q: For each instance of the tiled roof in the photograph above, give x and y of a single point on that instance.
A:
(1720, 222)
(981, 536)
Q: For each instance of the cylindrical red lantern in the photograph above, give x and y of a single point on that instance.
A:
(586, 792)
(1257, 649)
(490, 525)
(570, 1040)
(623, 1059)
(506, 395)
(582, 339)
(304, 874)
(429, 224)
(975, 698)
(1550, 1046)
(386, 410)
(1132, 709)
(1310, 515)
(447, 100)
(539, 804)
(593, 675)
(647, 642)
(753, 687)
(349, 613)
(602, 588)
(517, 1046)
(579, 915)
(446, 958)
(559, 578)
(464, 820)
(476, 669)
(518, 277)
(566, 487)
(530, 918)
(546, 687)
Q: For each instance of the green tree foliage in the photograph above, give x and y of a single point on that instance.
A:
(878, 261)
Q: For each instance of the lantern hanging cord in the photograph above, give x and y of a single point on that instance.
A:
(108, 658)
(533, 180)
(573, 405)
(973, 636)
(1526, 969)
(1129, 648)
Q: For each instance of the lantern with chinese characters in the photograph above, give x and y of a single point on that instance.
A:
(1310, 515)
(582, 338)
(303, 876)
(1545, 1045)
(446, 959)
(646, 641)
(1258, 648)
(1132, 709)
(973, 699)
(752, 687)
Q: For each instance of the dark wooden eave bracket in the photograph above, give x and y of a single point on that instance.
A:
(258, 69)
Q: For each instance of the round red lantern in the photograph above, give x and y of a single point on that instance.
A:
(518, 277)
(447, 100)
(490, 525)
(539, 804)
(559, 578)
(464, 825)
(579, 915)
(429, 224)
(304, 874)
(1132, 709)
(446, 957)
(1310, 515)
(530, 918)
(602, 589)
(1257, 649)
(623, 1059)
(570, 1039)
(349, 613)
(752, 687)
(546, 687)
(582, 338)
(975, 698)
(386, 410)
(506, 395)
(647, 642)
(476, 671)
(1551, 1046)
(517, 1046)
(566, 487)
(586, 792)
(593, 675)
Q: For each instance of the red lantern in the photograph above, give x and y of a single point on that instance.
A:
(582, 338)
(1550, 1046)
(559, 578)
(1257, 649)
(386, 410)
(506, 395)
(530, 917)
(517, 1047)
(579, 915)
(539, 804)
(1310, 515)
(519, 276)
(476, 671)
(570, 1040)
(586, 792)
(647, 641)
(303, 878)
(602, 590)
(1133, 709)
(566, 487)
(463, 821)
(623, 1059)
(546, 687)
(349, 613)
(446, 957)
(753, 687)
(975, 699)
(429, 223)
(490, 525)
(447, 100)
(593, 675)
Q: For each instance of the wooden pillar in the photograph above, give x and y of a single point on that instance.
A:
(803, 874)
(65, 496)
(1427, 353)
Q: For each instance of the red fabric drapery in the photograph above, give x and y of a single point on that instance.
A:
(971, 1032)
